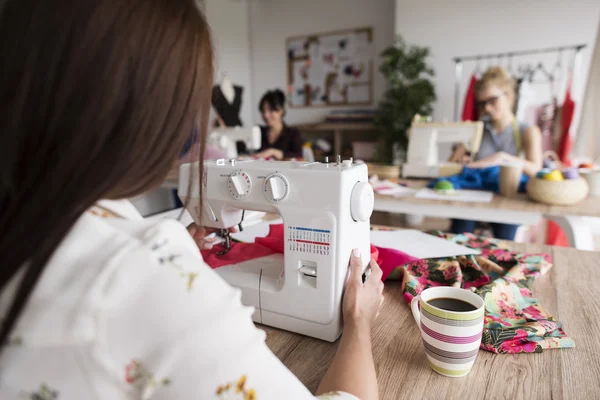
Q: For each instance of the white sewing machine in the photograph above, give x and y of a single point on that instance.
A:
(325, 208)
(226, 139)
(425, 141)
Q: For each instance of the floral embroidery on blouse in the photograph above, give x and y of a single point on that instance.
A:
(237, 390)
(171, 259)
(102, 212)
(137, 375)
(43, 393)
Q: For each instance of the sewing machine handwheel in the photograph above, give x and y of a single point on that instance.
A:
(362, 201)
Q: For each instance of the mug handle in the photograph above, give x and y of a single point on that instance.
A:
(414, 307)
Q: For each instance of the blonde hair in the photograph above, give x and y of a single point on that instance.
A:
(499, 77)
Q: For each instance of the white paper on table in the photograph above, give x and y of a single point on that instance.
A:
(399, 191)
(472, 196)
(419, 244)
(389, 188)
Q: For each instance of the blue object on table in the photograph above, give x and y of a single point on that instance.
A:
(479, 179)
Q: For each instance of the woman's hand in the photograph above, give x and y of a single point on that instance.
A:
(362, 300)
(460, 155)
(270, 152)
(353, 369)
(200, 233)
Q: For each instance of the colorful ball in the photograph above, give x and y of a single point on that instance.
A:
(443, 185)
(555, 175)
(543, 172)
(586, 165)
(570, 173)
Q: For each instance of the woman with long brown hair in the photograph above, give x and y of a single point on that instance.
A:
(97, 102)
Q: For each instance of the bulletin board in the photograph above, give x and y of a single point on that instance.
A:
(331, 69)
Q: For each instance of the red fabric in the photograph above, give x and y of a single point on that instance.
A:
(387, 259)
(568, 109)
(470, 105)
(554, 234)
(238, 253)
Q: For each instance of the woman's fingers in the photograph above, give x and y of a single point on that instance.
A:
(356, 266)
(376, 273)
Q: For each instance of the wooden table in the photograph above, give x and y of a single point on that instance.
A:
(518, 210)
(338, 129)
(570, 292)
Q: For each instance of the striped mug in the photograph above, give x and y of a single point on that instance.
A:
(451, 338)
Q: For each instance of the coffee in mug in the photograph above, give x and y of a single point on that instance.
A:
(451, 323)
(450, 304)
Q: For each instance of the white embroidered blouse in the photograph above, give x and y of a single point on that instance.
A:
(127, 309)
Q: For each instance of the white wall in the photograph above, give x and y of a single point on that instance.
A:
(273, 21)
(467, 27)
(228, 20)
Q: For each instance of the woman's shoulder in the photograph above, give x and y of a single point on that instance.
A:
(120, 254)
(151, 265)
(526, 129)
(101, 259)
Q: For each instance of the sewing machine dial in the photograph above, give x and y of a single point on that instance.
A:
(239, 185)
(276, 187)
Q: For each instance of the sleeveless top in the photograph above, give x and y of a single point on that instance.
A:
(510, 140)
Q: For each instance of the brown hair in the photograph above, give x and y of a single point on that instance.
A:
(499, 77)
(98, 99)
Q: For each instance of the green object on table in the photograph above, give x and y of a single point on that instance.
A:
(443, 185)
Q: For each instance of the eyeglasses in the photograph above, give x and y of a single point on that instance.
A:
(491, 101)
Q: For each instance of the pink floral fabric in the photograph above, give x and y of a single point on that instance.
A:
(514, 320)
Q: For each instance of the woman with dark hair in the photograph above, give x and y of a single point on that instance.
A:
(279, 141)
(97, 101)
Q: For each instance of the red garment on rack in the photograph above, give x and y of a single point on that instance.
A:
(568, 109)
(555, 236)
(470, 106)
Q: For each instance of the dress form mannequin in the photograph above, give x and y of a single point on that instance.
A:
(227, 101)
(227, 89)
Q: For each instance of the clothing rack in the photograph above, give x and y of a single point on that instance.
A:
(478, 57)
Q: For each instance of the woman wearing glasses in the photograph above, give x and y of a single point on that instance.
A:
(505, 139)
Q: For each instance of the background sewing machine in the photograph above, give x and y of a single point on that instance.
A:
(226, 139)
(325, 209)
(430, 143)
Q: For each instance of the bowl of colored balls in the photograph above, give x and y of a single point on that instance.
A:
(560, 187)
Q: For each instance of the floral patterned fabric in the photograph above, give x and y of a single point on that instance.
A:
(514, 321)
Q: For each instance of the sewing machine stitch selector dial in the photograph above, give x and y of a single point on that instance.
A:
(276, 187)
(239, 185)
